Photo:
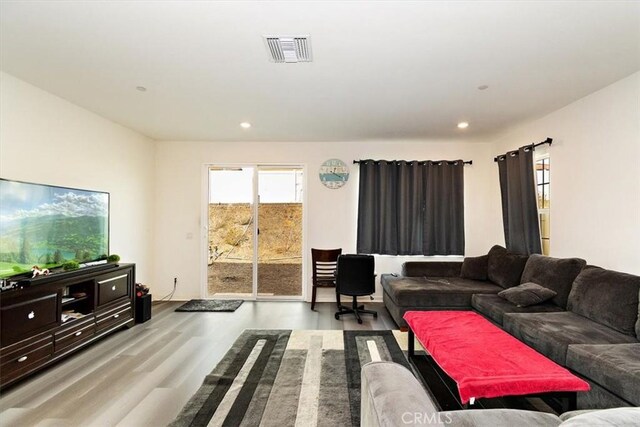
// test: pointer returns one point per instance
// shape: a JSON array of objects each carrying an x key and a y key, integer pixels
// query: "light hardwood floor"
[{"x": 143, "y": 376}]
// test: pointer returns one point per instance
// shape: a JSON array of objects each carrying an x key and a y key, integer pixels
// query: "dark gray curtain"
[
  {"x": 444, "y": 213},
  {"x": 411, "y": 208},
  {"x": 519, "y": 203},
  {"x": 380, "y": 207}
]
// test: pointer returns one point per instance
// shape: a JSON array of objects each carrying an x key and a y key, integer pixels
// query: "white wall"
[
  {"x": 595, "y": 175},
  {"x": 48, "y": 140},
  {"x": 595, "y": 210},
  {"x": 331, "y": 214}
]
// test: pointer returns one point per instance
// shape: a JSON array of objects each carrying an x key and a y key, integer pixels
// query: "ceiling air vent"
[{"x": 288, "y": 48}]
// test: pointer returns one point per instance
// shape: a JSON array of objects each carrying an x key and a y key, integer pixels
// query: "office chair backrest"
[{"x": 356, "y": 275}]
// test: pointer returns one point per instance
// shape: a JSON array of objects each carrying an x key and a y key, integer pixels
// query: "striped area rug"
[{"x": 290, "y": 378}]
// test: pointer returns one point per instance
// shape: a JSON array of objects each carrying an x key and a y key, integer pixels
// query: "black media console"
[{"x": 45, "y": 319}]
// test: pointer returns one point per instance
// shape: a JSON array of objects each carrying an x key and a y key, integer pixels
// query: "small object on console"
[
  {"x": 141, "y": 290},
  {"x": 38, "y": 272}
]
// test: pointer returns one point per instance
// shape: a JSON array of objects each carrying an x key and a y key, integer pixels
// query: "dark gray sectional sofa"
[{"x": 590, "y": 326}]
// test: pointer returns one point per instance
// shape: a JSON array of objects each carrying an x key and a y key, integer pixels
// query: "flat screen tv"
[{"x": 45, "y": 225}]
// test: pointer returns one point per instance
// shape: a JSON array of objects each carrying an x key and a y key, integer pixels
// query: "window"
[
  {"x": 411, "y": 208},
  {"x": 542, "y": 167}
]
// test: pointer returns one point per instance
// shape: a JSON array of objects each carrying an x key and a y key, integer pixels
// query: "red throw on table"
[{"x": 484, "y": 360}]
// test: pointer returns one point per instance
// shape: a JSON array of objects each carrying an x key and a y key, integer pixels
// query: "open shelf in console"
[
  {"x": 78, "y": 300},
  {"x": 71, "y": 300},
  {"x": 70, "y": 316}
]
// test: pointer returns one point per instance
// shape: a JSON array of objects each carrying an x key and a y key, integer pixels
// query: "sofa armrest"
[
  {"x": 392, "y": 396},
  {"x": 431, "y": 269},
  {"x": 601, "y": 417}
]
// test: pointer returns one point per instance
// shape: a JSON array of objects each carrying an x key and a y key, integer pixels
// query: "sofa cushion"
[
  {"x": 614, "y": 417},
  {"x": 495, "y": 418},
  {"x": 494, "y": 307},
  {"x": 599, "y": 398},
  {"x": 614, "y": 366},
  {"x": 505, "y": 268},
  {"x": 556, "y": 274},
  {"x": 551, "y": 333},
  {"x": 475, "y": 268},
  {"x": 431, "y": 268},
  {"x": 434, "y": 291},
  {"x": 607, "y": 297},
  {"x": 527, "y": 294}
]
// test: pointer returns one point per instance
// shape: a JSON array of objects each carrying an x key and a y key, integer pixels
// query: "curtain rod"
[
  {"x": 467, "y": 162},
  {"x": 546, "y": 141}
]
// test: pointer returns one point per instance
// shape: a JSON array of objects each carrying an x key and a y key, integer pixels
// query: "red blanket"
[{"x": 484, "y": 360}]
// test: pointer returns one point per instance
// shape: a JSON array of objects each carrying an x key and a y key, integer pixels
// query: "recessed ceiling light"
[
  {"x": 245, "y": 125},
  {"x": 463, "y": 125},
  {"x": 141, "y": 88},
  {"x": 483, "y": 87}
]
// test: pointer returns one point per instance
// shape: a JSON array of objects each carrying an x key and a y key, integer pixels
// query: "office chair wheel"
[
  {"x": 375, "y": 315},
  {"x": 360, "y": 321},
  {"x": 336, "y": 316}
]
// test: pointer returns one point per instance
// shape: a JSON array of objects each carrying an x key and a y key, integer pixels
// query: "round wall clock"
[{"x": 334, "y": 173}]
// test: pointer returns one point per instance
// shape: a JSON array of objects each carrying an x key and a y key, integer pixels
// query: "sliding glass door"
[
  {"x": 230, "y": 250},
  {"x": 254, "y": 232},
  {"x": 279, "y": 232}
]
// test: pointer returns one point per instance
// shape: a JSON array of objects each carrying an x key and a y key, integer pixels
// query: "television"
[{"x": 45, "y": 225}]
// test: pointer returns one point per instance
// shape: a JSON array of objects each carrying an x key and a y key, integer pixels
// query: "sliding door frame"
[{"x": 204, "y": 231}]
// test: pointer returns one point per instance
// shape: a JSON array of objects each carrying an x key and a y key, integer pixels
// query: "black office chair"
[{"x": 355, "y": 277}]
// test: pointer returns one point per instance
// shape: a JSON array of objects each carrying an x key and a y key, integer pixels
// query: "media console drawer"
[
  {"x": 115, "y": 314},
  {"x": 112, "y": 288},
  {"x": 22, "y": 356},
  {"x": 20, "y": 319},
  {"x": 77, "y": 330}
]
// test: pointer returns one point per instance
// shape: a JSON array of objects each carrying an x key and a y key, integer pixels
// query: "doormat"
[
  {"x": 285, "y": 378},
  {"x": 211, "y": 305}
]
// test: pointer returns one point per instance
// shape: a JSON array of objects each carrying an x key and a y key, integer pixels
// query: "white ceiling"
[{"x": 380, "y": 70}]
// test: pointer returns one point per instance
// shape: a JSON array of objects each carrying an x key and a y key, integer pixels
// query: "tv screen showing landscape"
[{"x": 47, "y": 226}]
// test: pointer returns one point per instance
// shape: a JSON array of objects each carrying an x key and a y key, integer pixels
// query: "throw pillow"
[
  {"x": 556, "y": 274},
  {"x": 527, "y": 294},
  {"x": 505, "y": 268},
  {"x": 475, "y": 268}
]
